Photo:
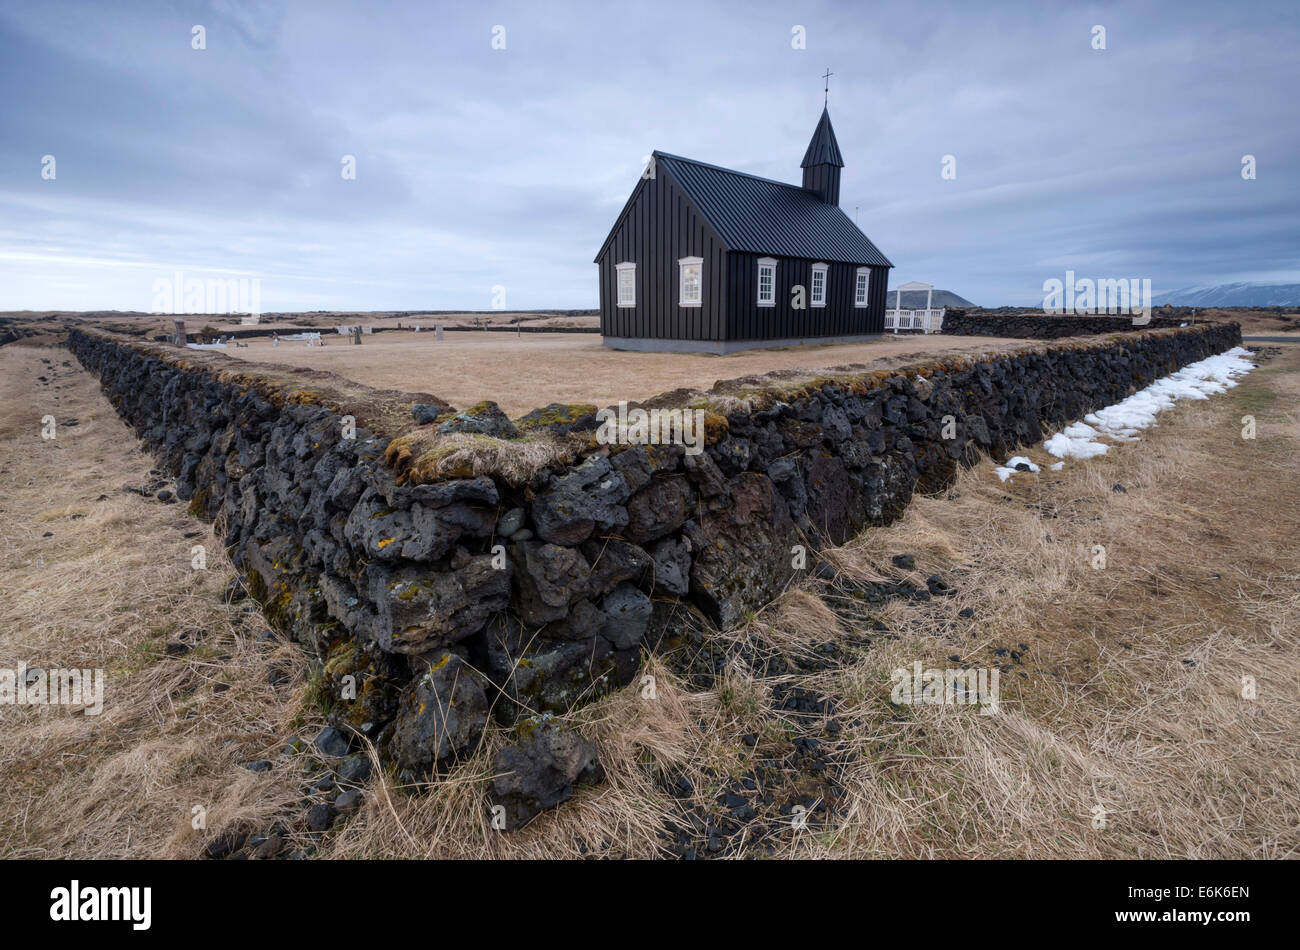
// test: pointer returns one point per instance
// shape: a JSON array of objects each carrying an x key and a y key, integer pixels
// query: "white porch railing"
[{"x": 927, "y": 321}]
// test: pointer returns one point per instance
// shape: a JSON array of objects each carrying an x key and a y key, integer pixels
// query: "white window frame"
[
  {"x": 766, "y": 263},
  {"x": 682, "y": 264},
  {"x": 619, "y": 271},
  {"x": 864, "y": 285},
  {"x": 813, "y": 299}
]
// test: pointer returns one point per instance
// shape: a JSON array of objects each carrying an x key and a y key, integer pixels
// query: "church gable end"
[{"x": 657, "y": 228}]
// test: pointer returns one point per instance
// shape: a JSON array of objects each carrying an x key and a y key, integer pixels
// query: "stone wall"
[
  {"x": 451, "y": 599},
  {"x": 1038, "y": 326}
]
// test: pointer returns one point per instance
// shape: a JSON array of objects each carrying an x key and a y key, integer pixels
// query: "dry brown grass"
[
  {"x": 449, "y": 819},
  {"x": 107, "y": 591},
  {"x": 421, "y": 456},
  {"x": 1254, "y": 322},
  {"x": 1130, "y": 697}
]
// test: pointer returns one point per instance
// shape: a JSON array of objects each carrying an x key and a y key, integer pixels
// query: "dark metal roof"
[
  {"x": 762, "y": 216},
  {"x": 823, "y": 149}
]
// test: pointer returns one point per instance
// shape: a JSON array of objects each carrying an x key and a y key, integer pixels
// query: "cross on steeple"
[{"x": 827, "y": 90}]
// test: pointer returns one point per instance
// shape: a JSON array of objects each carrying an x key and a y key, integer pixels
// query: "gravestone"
[{"x": 437, "y": 332}]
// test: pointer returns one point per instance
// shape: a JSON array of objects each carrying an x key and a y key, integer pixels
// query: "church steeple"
[{"x": 822, "y": 162}]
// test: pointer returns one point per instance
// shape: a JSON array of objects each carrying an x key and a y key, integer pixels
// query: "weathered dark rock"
[
  {"x": 659, "y": 509},
  {"x": 614, "y": 561},
  {"x": 268, "y": 848},
  {"x": 583, "y": 622},
  {"x": 344, "y": 489},
  {"x": 672, "y": 561},
  {"x": 349, "y": 801},
  {"x": 424, "y": 413},
  {"x": 539, "y": 674},
  {"x": 362, "y": 682},
  {"x": 224, "y": 845},
  {"x": 547, "y": 579},
  {"x": 705, "y": 475},
  {"x": 420, "y": 610},
  {"x": 441, "y": 715},
  {"x": 744, "y": 557},
  {"x": 485, "y": 418},
  {"x": 888, "y": 487},
  {"x": 833, "y": 508},
  {"x": 560, "y": 419},
  {"x": 640, "y": 463},
  {"x": 540, "y": 770},
  {"x": 627, "y": 615},
  {"x": 355, "y": 768},
  {"x": 421, "y": 532},
  {"x": 332, "y": 742},
  {"x": 479, "y": 492},
  {"x": 785, "y": 474},
  {"x": 732, "y": 455},
  {"x": 835, "y": 424},
  {"x": 588, "y": 498},
  {"x": 321, "y": 817},
  {"x": 937, "y": 586},
  {"x": 511, "y": 521}
]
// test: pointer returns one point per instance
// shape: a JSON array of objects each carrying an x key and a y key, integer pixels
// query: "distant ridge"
[
  {"x": 1246, "y": 294},
  {"x": 915, "y": 300}
]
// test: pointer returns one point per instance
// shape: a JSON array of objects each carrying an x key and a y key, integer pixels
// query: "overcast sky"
[{"x": 478, "y": 167}]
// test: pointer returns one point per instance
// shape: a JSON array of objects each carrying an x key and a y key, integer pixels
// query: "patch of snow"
[
  {"x": 1125, "y": 419},
  {"x": 1006, "y": 471},
  {"x": 1077, "y": 440}
]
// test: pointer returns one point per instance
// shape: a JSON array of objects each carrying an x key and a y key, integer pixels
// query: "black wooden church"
[{"x": 706, "y": 259}]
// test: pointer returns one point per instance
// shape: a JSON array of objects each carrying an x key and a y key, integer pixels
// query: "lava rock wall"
[
  {"x": 435, "y": 606},
  {"x": 1042, "y": 327}
]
